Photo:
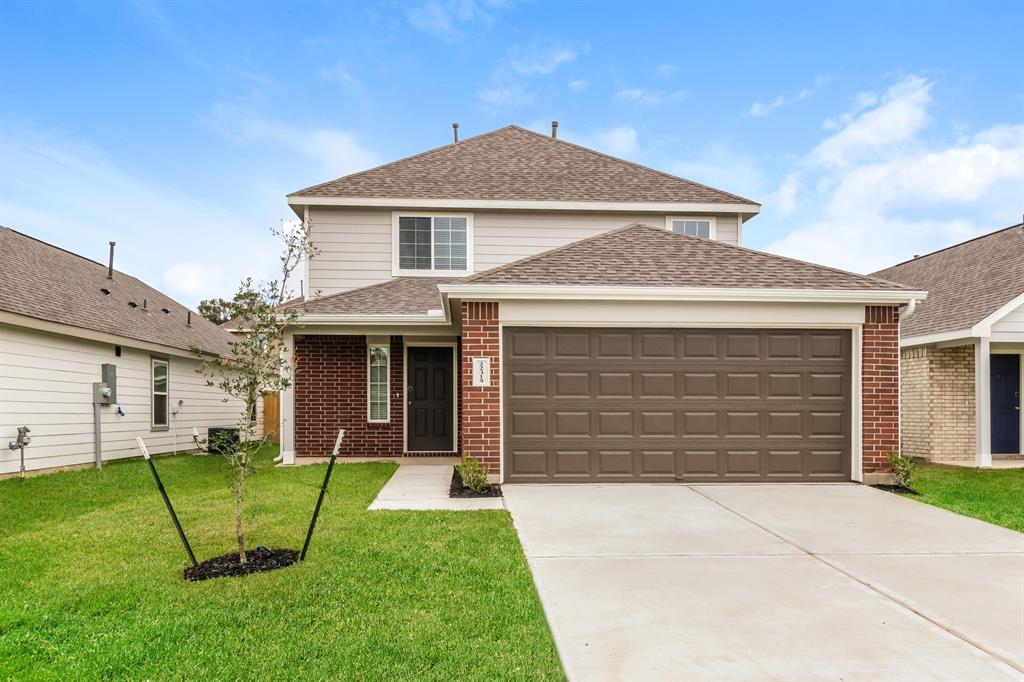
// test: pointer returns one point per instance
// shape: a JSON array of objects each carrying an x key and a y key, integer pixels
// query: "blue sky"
[{"x": 870, "y": 132}]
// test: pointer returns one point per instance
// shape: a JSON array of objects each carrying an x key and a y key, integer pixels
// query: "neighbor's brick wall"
[
  {"x": 481, "y": 405},
  {"x": 937, "y": 391},
  {"x": 880, "y": 386},
  {"x": 330, "y": 393}
]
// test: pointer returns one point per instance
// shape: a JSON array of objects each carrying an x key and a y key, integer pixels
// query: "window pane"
[
  {"x": 449, "y": 243},
  {"x": 159, "y": 377},
  {"x": 414, "y": 243},
  {"x": 703, "y": 229},
  {"x": 379, "y": 383},
  {"x": 159, "y": 410}
]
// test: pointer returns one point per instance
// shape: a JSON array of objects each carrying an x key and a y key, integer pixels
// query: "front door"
[
  {"x": 1005, "y": 403},
  {"x": 431, "y": 400}
]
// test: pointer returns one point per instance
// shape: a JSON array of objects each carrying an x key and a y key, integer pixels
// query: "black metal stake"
[
  {"x": 167, "y": 501},
  {"x": 320, "y": 499}
]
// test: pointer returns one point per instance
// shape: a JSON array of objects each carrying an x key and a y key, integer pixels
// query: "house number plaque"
[{"x": 481, "y": 371}]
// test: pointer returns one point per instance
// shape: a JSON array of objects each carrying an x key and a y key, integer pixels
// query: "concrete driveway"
[{"x": 771, "y": 582}]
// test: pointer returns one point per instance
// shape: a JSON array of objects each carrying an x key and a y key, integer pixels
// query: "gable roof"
[
  {"x": 48, "y": 283},
  {"x": 966, "y": 282},
  {"x": 516, "y": 164},
  {"x": 644, "y": 256}
]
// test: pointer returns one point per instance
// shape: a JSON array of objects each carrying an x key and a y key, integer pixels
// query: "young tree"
[
  {"x": 256, "y": 361},
  {"x": 216, "y": 310}
]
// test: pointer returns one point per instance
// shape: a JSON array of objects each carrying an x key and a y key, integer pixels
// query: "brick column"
[
  {"x": 880, "y": 386},
  {"x": 481, "y": 405}
]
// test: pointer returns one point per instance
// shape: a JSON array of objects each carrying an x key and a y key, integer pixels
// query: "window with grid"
[
  {"x": 700, "y": 227},
  {"x": 379, "y": 408},
  {"x": 159, "y": 383},
  {"x": 432, "y": 243}
]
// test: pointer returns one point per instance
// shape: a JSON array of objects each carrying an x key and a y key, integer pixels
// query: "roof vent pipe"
[
  {"x": 455, "y": 132},
  {"x": 554, "y": 129},
  {"x": 188, "y": 322},
  {"x": 110, "y": 262}
]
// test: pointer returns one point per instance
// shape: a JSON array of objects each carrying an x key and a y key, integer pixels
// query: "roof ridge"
[
  {"x": 401, "y": 160},
  {"x": 557, "y": 249},
  {"x": 632, "y": 163},
  {"x": 918, "y": 259}
]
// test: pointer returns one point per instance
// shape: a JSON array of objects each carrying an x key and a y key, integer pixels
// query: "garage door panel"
[{"x": 664, "y": 404}]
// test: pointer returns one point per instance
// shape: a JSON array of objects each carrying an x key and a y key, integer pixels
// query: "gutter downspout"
[{"x": 909, "y": 310}]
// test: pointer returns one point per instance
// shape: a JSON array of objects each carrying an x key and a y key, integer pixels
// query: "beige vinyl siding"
[
  {"x": 46, "y": 384},
  {"x": 355, "y": 249},
  {"x": 1011, "y": 327},
  {"x": 355, "y": 244}
]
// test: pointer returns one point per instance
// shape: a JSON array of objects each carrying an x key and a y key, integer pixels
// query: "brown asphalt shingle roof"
[
  {"x": 516, "y": 164},
  {"x": 966, "y": 283},
  {"x": 400, "y": 296},
  {"x": 46, "y": 282},
  {"x": 641, "y": 255}
]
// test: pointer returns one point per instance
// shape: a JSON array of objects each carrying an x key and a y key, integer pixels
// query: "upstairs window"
[
  {"x": 429, "y": 244},
  {"x": 693, "y": 227}
]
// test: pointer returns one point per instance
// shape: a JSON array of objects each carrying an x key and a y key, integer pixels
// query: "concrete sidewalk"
[
  {"x": 422, "y": 484},
  {"x": 771, "y": 582}
]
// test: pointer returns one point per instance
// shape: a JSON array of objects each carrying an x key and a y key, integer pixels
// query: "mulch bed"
[
  {"x": 256, "y": 561},
  {"x": 458, "y": 489},
  {"x": 889, "y": 488}
]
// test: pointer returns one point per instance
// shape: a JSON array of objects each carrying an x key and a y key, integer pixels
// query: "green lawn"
[
  {"x": 993, "y": 495},
  {"x": 90, "y": 582}
]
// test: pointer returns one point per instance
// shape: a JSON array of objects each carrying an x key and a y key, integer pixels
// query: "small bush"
[
  {"x": 474, "y": 475},
  {"x": 903, "y": 469}
]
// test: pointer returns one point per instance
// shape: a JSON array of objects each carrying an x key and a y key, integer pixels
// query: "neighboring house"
[
  {"x": 63, "y": 319},
  {"x": 963, "y": 350},
  {"x": 564, "y": 315}
]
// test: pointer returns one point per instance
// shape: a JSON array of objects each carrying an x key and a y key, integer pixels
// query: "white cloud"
[
  {"x": 507, "y": 83},
  {"x": 884, "y": 193},
  {"x": 193, "y": 281},
  {"x": 450, "y": 19},
  {"x": 646, "y": 97},
  {"x": 901, "y": 114},
  {"x": 538, "y": 60},
  {"x": 785, "y": 196},
  {"x": 339, "y": 73},
  {"x": 761, "y": 109},
  {"x": 578, "y": 85},
  {"x": 665, "y": 70},
  {"x": 337, "y": 151}
]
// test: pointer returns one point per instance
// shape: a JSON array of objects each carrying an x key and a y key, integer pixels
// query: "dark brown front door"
[
  {"x": 594, "y": 405},
  {"x": 431, "y": 401}
]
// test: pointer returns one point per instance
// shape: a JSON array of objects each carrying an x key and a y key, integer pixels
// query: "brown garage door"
[{"x": 593, "y": 405}]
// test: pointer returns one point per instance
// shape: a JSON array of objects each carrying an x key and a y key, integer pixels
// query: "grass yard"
[
  {"x": 993, "y": 495},
  {"x": 90, "y": 582}
]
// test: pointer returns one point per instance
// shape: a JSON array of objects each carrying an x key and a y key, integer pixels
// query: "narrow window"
[
  {"x": 693, "y": 228},
  {"x": 160, "y": 380},
  {"x": 379, "y": 389}
]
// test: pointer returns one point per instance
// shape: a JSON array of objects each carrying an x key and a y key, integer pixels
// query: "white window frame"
[
  {"x": 369, "y": 382},
  {"x": 153, "y": 426},
  {"x": 399, "y": 272},
  {"x": 712, "y": 230}
]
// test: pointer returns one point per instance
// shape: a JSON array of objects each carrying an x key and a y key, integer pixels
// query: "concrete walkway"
[
  {"x": 422, "y": 483},
  {"x": 771, "y": 582}
]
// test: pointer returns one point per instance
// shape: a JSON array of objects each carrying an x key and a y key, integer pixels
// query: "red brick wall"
[
  {"x": 330, "y": 393},
  {"x": 481, "y": 405},
  {"x": 880, "y": 386}
]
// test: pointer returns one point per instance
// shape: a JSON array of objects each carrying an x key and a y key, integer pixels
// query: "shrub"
[
  {"x": 902, "y": 469},
  {"x": 474, "y": 475}
]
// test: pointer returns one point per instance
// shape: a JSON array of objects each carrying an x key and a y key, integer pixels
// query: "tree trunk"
[{"x": 239, "y": 503}]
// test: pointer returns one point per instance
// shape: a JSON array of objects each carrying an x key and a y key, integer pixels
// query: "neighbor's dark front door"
[
  {"x": 431, "y": 401},
  {"x": 1005, "y": 403}
]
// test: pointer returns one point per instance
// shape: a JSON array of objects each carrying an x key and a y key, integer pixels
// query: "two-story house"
[{"x": 564, "y": 315}]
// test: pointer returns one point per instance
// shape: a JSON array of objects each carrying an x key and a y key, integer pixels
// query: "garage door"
[{"x": 595, "y": 405}]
